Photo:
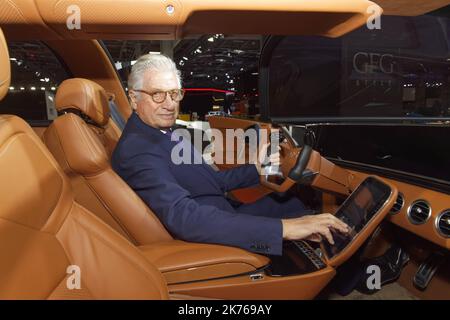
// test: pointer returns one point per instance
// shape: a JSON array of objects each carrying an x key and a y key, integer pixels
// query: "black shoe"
[{"x": 391, "y": 264}]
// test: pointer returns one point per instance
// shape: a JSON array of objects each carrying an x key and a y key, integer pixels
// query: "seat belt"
[{"x": 115, "y": 115}]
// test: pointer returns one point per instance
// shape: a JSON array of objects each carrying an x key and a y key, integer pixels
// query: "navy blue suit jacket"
[{"x": 190, "y": 199}]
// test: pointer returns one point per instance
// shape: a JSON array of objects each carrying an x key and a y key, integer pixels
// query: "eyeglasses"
[{"x": 160, "y": 96}]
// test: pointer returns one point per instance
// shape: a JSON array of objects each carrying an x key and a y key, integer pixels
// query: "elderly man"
[{"x": 190, "y": 198}]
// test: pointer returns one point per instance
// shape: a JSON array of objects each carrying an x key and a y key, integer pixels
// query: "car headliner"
[{"x": 146, "y": 20}]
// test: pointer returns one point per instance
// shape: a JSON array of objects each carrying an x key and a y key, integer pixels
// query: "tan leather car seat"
[
  {"x": 74, "y": 140},
  {"x": 43, "y": 230},
  {"x": 90, "y": 101}
]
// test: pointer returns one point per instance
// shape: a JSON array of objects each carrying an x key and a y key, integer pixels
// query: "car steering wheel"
[{"x": 293, "y": 163}]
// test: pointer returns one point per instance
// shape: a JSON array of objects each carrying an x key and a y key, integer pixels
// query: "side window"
[
  {"x": 35, "y": 75},
  {"x": 219, "y": 72}
]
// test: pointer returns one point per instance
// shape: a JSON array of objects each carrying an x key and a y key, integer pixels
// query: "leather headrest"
[
  {"x": 78, "y": 146},
  {"x": 5, "y": 67},
  {"x": 34, "y": 192},
  {"x": 86, "y": 96}
]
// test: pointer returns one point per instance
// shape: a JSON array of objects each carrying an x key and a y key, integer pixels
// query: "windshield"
[{"x": 400, "y": 70}]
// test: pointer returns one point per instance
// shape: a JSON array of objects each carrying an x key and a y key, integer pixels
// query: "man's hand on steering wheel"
[{"x": 274, "y": 158}]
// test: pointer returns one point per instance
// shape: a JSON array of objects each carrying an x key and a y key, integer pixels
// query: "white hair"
[{"x": 158, "y": 62}]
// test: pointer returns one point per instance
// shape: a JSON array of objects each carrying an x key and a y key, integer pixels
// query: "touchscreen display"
[{"x": 357, "y": 211}]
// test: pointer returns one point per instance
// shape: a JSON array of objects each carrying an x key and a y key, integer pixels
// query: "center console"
[
  {"x": 362, "y": 211},
  {"x": 298, "y": 258}
]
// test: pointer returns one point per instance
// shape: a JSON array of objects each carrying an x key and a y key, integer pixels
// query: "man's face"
[{"x": 158, "y": 115}]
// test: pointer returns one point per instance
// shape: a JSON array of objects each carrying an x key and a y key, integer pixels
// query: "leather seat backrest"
[
  {"x": 5, "y": 67},
  {"x": 43, "y": 231},
  {"x": 82, "y": 155}
]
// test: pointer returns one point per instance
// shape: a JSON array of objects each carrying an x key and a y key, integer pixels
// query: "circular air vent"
[
  {"x": 398, "y": 205},
  {"x": 419, "y": 212},
  {"x": 443, "y": 223}
]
